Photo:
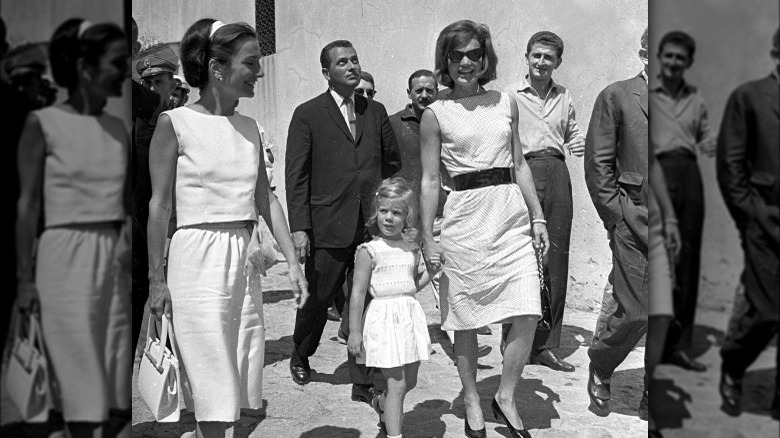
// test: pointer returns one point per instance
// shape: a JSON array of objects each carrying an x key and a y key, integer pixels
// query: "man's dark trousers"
[
  {"x": 326, "y": 270},
  {"x": 553, "y": 188},
  {"x": 626, "y": 326},
  {"x": 758, "y": 321},
  {"x": 684, "y": 183}
]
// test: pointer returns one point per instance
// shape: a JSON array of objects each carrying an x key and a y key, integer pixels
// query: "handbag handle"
[
  {"x": 34, "y": 337},
  {"x": 167, "y": 330}
]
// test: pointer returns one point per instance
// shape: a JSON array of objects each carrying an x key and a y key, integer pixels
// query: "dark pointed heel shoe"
[
  {"x": 471, "y": 433},
  {"x": 499, "y": 415}
]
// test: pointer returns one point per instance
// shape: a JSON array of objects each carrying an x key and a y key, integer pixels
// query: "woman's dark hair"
[
  {"x": 67, "y": 47},
  {"x": 459, "y": 34},
  {"x": 198, "y": 48}
]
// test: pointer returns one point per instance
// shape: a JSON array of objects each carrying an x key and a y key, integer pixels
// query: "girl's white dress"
[{"x": 395, "y": 332}]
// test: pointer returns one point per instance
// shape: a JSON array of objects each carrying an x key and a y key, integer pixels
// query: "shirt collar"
[
  {"x": 644, "y": 76},
  {"x": 339, "y": 98},
  {"x": 685, "y": 89},
  {"x": 525, "y": 84},
  {"x": 776, "y": 75},
  {"x": 408, "y": 113}
]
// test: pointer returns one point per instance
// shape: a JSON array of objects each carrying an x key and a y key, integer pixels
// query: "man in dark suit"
[
  {"x": 616, "y": 176},
  {"x": 147, "y": 105},
  {"x": 339, "y": 147},
  {"x": 748, "y": 169}
]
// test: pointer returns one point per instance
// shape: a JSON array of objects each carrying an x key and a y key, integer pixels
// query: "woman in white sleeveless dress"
[
  {"x": 76, "y": 156},
  {"x": 212, "y": 290},
  {"x": 490, "y": 270}
]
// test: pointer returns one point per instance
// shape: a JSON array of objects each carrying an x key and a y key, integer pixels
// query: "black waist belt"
[
  {"x": 546, "y": 153},
  {"x": 483, "y": 178},
  {"x": 679, "y": 153}
]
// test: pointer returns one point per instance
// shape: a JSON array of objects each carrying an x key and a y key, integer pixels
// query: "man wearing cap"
[
  {"x": 157, "y": 70},
  {"x": 147, "y": 105}
]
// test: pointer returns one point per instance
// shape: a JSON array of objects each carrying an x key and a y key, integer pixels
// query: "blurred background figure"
[
  {"x": 156, "y": 66},
  {"x": 24, "y": 67},
  {"x": 681, "y": 136},
  {"x": 748, "y": 169},
  {"x": 73, "y": 161},
  {"x": 366, "y": 87},
  {"x": 181, "y": 93}
]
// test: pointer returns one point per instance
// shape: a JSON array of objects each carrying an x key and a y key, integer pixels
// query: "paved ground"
[{"x": 552, "y": 404}]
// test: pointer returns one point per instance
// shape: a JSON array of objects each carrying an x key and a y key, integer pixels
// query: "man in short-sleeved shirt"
[
  {"x": 680, "y": 134},
  {"x": 548, "y": 133}
]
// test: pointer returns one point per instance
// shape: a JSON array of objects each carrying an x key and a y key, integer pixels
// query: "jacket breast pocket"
[
  {"x": 764, "y": 184},
  {"x": 631, "y": 185}
]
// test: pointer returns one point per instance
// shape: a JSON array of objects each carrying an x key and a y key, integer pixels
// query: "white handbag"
[
  {"x": 27, "y": 378},
  {"x": 159, "y": 381}
]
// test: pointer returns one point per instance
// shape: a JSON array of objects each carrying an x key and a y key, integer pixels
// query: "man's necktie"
[{"x": 351, "y": 117}]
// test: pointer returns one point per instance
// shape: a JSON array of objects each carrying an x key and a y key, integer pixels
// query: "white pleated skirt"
[
  {"x": 217, "y": 319},
  {"x": 395, "y": 332},
  {"x": 85, "y": 314}
]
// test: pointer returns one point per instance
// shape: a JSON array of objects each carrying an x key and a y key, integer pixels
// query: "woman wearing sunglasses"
[{"x": 488, "y": 237}]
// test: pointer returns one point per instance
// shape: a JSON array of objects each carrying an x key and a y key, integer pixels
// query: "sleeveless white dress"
[
  {"x": 394, "y": 329},
  {"x": 217, "y": 307},
  {"x": 490, "y": 273}
]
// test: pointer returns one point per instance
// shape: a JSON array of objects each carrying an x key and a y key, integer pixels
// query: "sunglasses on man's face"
[
  {"x": 361, "y": 92},
  {"x": 474, "y": 55}
]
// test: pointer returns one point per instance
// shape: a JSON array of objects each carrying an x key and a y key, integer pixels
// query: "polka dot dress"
[{"x": 490, "y": 272}]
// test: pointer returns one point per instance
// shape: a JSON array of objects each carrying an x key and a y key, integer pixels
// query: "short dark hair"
[
  {"x": 67, "y": 47},
  {"x": 644, "y": 40},
  {"x": 198, "y": 47},
  {"x": 678, "y": 38},
  {"x": 325, "y": 53},
  {"x": 422, "y": 73},
  {"x": 548, "y": 39},
  {"x": 459, "y": 34},
  {"x": 366, "y": 76}
]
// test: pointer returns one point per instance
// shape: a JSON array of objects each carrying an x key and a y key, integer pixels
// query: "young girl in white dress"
[{"x": 393, "y": 333}]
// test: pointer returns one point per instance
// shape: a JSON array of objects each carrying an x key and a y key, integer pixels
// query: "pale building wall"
[{"x": 395, "y": 38}]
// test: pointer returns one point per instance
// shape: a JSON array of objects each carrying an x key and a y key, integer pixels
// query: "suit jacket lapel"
[
  {"x": 332, "y": 109},
  {"x": 361, "y": 106},
  {"x": 640, "y": 90}
]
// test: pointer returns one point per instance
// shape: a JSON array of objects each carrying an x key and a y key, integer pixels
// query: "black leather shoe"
[
  {"x": 333, "y": 314},
  {"x": 471, "y": 433},
  {"x": 643, "y": 407},
  {"x": 301, "y": 374},
  {"x": 364, "y": 393},
  {"x": 652, "y": 433},
  {"x": 498, "y": 414},
  {"x": 550, "y": 360},
  {"x": 679, "y": 358},
  {"x": 731, "y": 394},
  {"x": 599, "y": 393}
]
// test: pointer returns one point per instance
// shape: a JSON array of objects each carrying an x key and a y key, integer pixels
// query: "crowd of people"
[{"x": 467, "y": 188}]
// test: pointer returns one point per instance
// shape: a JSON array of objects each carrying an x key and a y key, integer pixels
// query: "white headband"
[
  {"x": 86, "y": 24},
  {"x": 214, "y": 26}
]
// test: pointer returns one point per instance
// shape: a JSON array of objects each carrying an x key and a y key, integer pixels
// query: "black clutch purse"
[{"x": 545, "y": 322}]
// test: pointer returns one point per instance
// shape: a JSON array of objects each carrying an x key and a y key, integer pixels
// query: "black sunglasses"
[
  {"x": 361, "y": 91},
  {"x": 474, "y": 55}
]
